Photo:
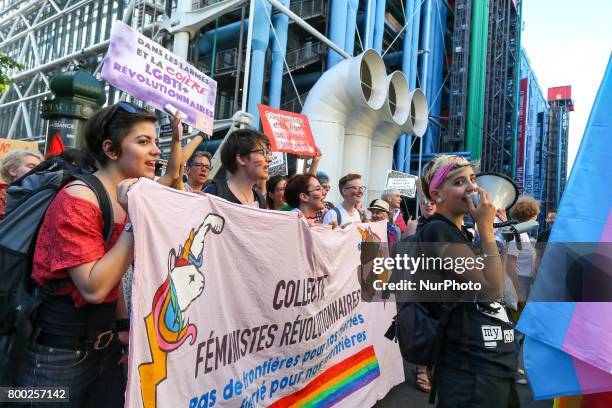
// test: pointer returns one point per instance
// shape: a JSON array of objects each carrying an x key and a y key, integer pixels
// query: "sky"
[{"x": 569, "y": 43}]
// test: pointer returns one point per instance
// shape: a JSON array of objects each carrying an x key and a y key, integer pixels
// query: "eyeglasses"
[
  {"x": 202, "y": 166},
  {"x": 319, "y": 189},
  {"x": 356, "y": 188},
  {"x": 265, "y": 151}
]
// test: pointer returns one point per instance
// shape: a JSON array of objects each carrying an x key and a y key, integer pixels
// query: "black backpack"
[
  {"x": 420, "y": 336},
  {"x": 27, "y": 201}
]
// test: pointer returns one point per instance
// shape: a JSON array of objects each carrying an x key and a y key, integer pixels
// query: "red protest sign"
[{"x": 288, "y": 132}]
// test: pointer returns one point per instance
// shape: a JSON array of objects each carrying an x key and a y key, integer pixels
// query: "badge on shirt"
[
  {"x": 491, "y": 333},
  {"x": 495, "y": 310}
]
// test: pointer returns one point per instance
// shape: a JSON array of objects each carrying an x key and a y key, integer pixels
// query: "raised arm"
[
  {"x": 314, "y": 165},
  {"x": 173, "y": 170}
]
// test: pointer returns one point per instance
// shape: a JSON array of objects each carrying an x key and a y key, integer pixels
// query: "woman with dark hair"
[
  {"x": 477, "y": 362},
  {"x": 79, "y": 329},
  {"x": 305, "y": 195},
  {"x": 275, "y": 192}
]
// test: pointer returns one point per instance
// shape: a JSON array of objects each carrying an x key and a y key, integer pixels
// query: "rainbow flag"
[
  {"x": 568, "y": 345},
  {"x": 335, "y": 383}
]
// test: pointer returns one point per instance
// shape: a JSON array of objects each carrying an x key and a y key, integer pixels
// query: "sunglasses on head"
[{"x": 125, "y": 106}]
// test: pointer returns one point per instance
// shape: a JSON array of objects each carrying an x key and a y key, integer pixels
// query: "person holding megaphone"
[{"x": 476, "y": 362}]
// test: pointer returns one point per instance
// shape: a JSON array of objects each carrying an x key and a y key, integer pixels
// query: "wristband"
[
  {"x": 485, "y": 256},
  {"x": 122, "y": 325}
]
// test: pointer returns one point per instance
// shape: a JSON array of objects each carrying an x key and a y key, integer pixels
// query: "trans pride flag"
[{"x": 568, "y": 346}]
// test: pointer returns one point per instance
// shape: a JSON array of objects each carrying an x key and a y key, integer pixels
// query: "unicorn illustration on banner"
[{"x": 167, "y": 328}]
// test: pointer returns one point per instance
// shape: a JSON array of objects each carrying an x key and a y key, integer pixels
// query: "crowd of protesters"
[{"x": 122, "y": 140}]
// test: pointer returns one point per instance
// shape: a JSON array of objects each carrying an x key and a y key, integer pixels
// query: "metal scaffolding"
[
  {"x": 453, "y": 138},
  {"x": 49, "y": 35},
  {"x": 556, "y": 152},
  {"x": 499, "y": 103}
]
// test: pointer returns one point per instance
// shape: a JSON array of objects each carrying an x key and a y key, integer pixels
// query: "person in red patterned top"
[{"x": 77, "y": 343}]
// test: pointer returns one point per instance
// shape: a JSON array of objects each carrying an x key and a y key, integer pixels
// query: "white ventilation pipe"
[
  {"x": 362, "y": 122},
  {"x": 355, "y": 82},
  {"x": 419, "y": 113},
  {"x": 385, "y": 136}
]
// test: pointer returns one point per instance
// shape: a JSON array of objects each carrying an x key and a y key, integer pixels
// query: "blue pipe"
[
  {"x": 227, "y": 36},
  {"x": 259, "y": 45},
  {"x": 433, "y": 131},
  {"x": 351, "y": 21},
  {"x": 368, "y": 29},
  {"x": 379, "y": 26},
  {"x": 393, "y": 59},
  {"x": 405, "y": 141},
  {"x": 279, "y": 49},
  {"x": 425, "y": 73},
  {"x": 306, "y": 80},
  {"x": 210, "y": 146},
  {"x": 337, "y": 30},
  {"x": 437, "y": 68},
  {"x": 414, "y": 57}
]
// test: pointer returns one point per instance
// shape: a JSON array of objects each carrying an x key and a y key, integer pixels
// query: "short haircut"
[
  {"x": 112, "y": 123},
  {"x": 387, "y": 193},
  {"x": 13, "y": 160},
  {"x": 431, "y": 168},
  {"x": 297, "y": 185},
  {"x": 525, "y": 209},
  {"x": 194, "y": 156},
  {"x": 346, "y": 179},
  {"x": 240, "y": 142}
]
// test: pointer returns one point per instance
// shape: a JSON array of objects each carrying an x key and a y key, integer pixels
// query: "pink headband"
[{"x": 441, "y": 174}]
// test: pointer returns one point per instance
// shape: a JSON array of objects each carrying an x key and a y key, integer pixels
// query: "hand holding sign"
[
  {"x": 288, "y": 132},
  {"x": 177, "y": 126},
  {"x": 145, "y": 69}
]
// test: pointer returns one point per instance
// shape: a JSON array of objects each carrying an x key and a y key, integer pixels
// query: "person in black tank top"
[
  {"x": 246, "y": 156},
  {"x": 478, "y": 360}
]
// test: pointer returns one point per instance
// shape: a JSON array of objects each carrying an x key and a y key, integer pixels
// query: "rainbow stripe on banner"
[{"x": 336, "y": 383}]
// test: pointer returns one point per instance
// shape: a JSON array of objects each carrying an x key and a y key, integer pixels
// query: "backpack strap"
[
  {"x": 261, "y": 201},
  {"x": 103, "y": 199},
  {"x": 338, "y": 215}
]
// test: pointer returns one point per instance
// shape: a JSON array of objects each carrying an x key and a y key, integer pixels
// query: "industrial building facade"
[{"x": 464, "y": 54}]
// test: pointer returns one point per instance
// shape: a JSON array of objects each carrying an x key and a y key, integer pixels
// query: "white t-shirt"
[
  {"x": 346, "y": 217},
  {"x": 525, "y": 262}
]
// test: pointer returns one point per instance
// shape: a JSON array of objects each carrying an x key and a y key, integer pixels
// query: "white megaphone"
[
  {"x": 520, "y": 227},
  {"x": 502, "y": 189}
]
